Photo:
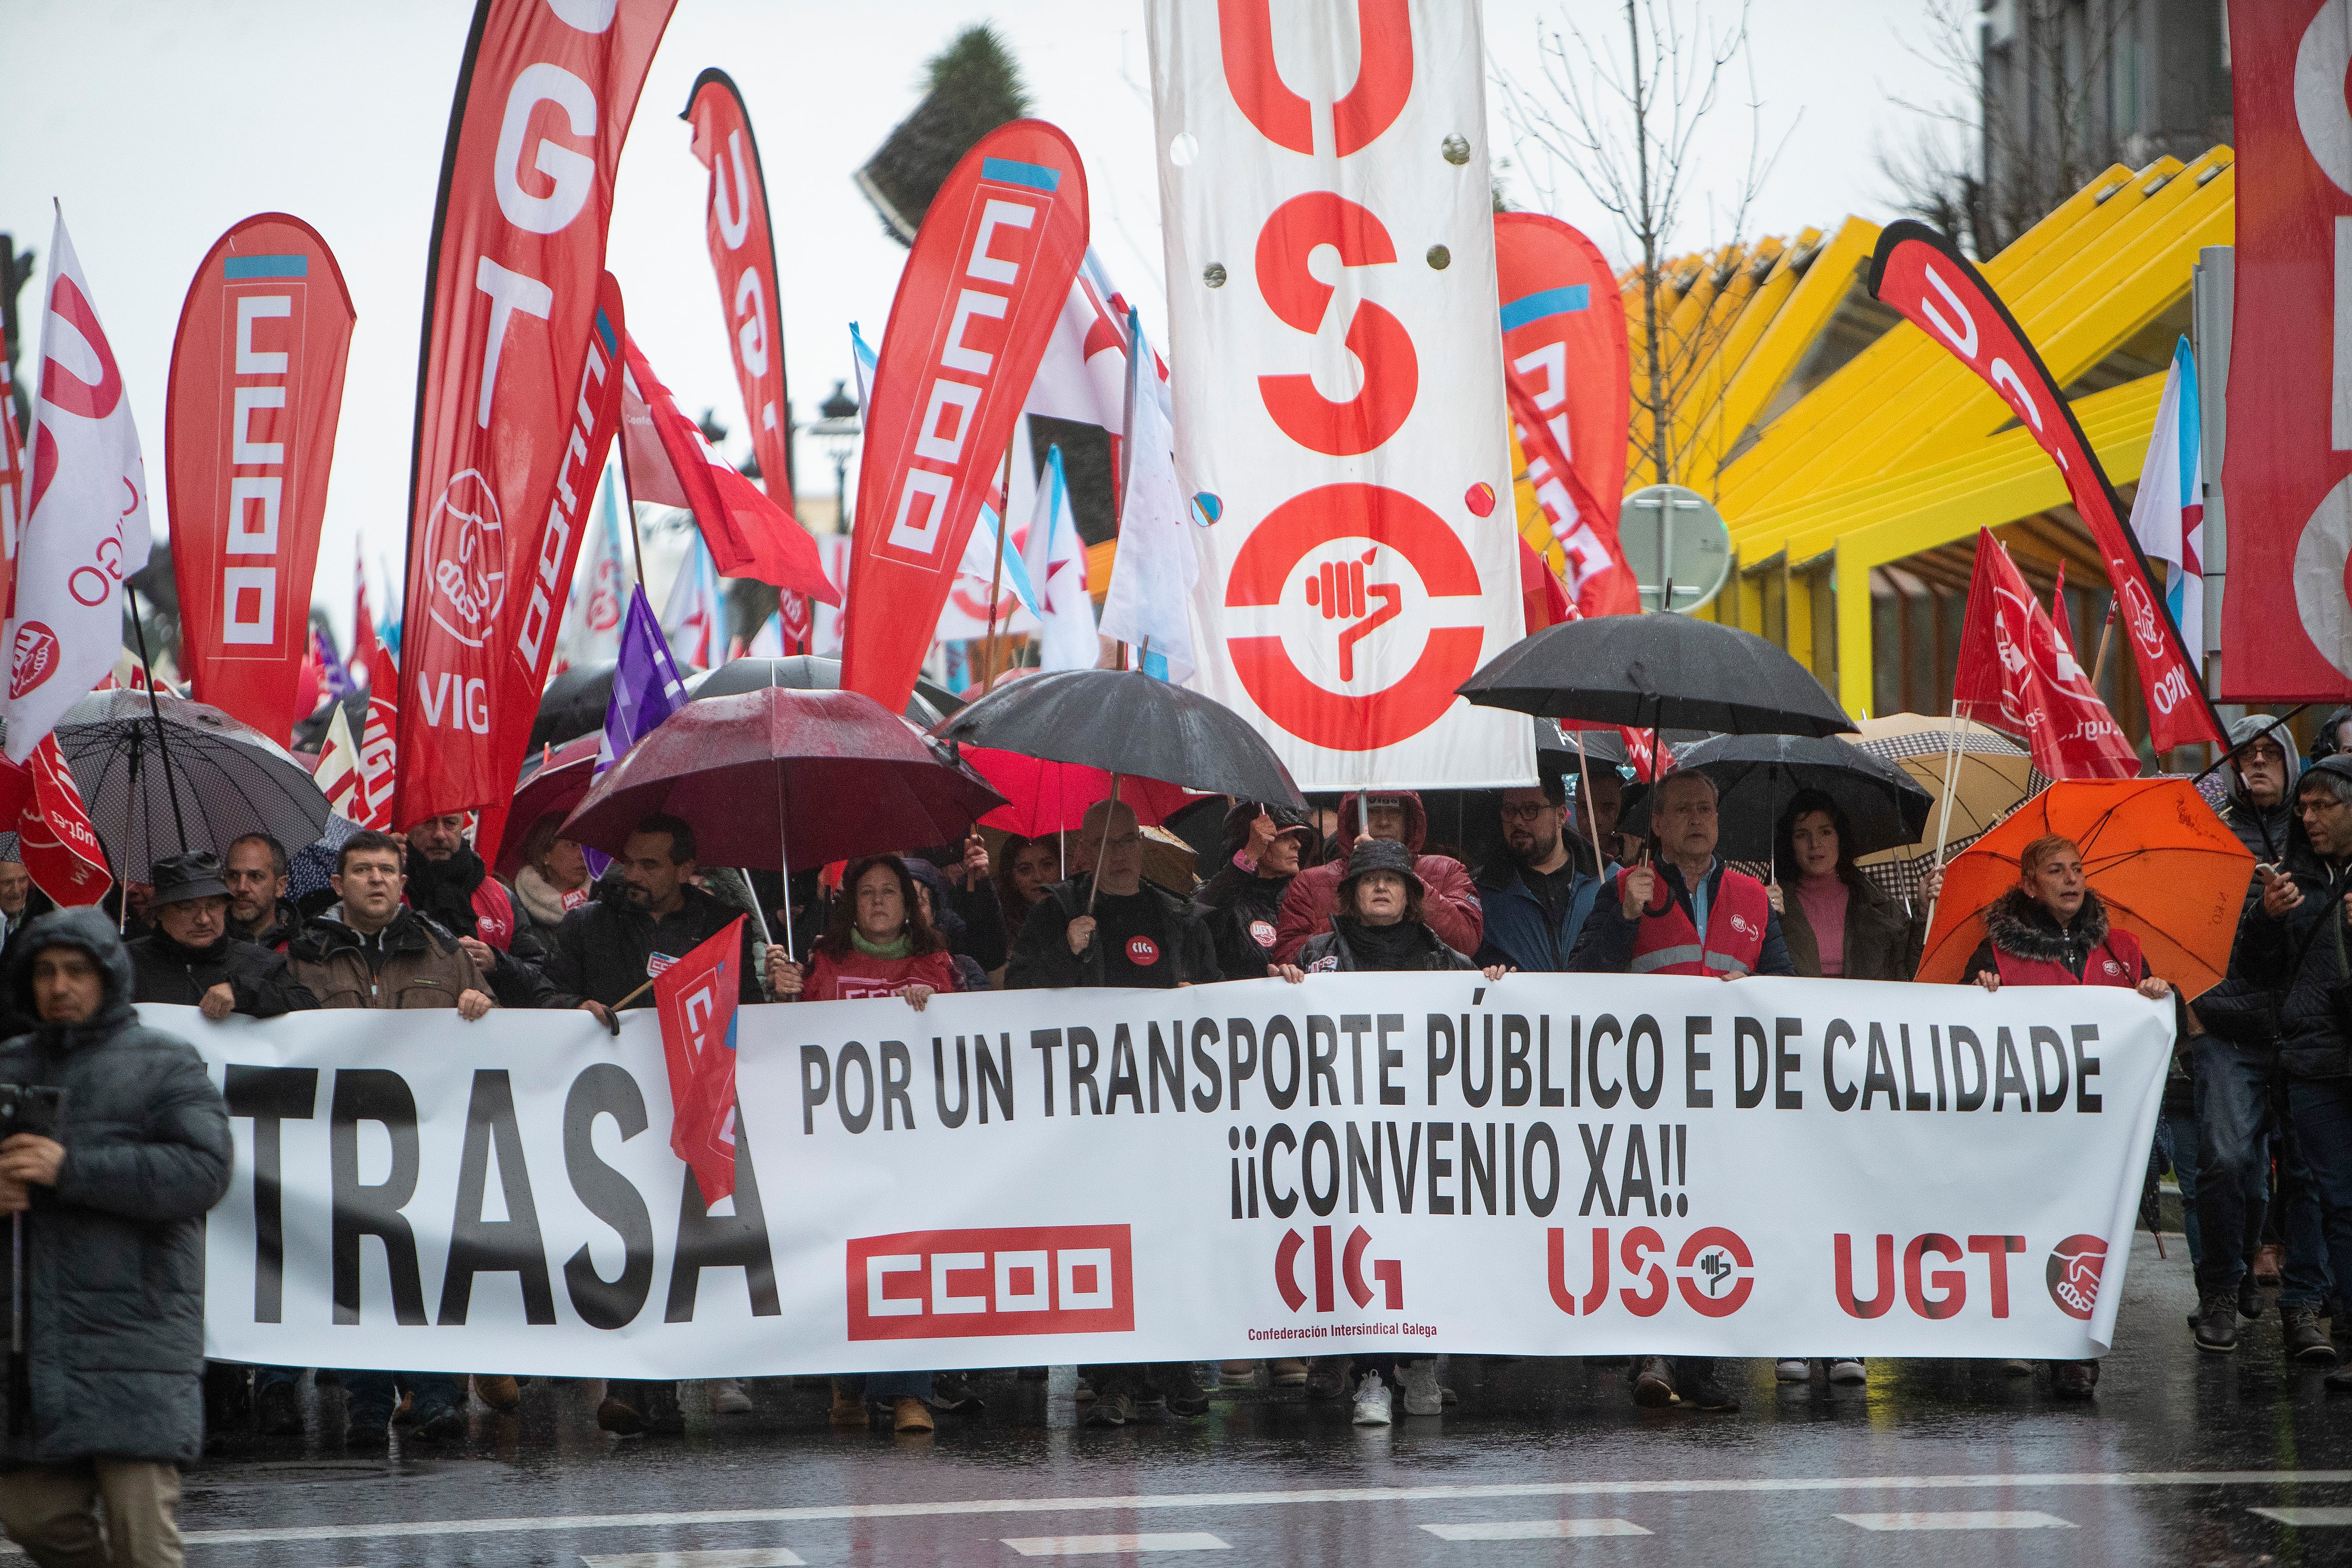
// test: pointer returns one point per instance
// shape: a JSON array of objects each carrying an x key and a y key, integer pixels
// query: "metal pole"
[
  {"x": 629, "y": 500},
  {"x": 996, "y": 578},
  {"x": 1102, "y": 846},
  {"x": 155, "y": 708}
]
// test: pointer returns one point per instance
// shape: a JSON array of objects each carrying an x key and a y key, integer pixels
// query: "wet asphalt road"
[{"x": 2176, "y": 1461}]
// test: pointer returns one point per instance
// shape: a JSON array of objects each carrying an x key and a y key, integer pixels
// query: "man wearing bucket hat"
[{"x": 193, "y": 958}]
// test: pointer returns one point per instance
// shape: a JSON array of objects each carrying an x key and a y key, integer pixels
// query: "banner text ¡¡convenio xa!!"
[{"x": 1549, "y": 1164}]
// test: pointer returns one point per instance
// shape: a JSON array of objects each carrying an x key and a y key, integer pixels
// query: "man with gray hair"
[
  {"x": 1689, "y": 915},
  {"x": 1108, "y": 926}
]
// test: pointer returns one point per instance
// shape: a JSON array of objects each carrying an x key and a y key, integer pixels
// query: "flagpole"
[
  {"x": 996, "y": 578},
  {"x": 1584, "y": 801},
  {"x": 155, "y": 708},
  {"x": 2106, "y": 638},
  {"x": 629, "y": 500}
]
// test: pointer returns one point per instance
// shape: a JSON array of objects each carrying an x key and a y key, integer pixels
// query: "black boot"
[
  {"x": 2217, "y": 1322},
  {"x": 2307, "y": 1343}
]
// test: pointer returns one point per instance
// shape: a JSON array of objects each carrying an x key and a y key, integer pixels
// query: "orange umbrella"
[{"x": 2167, "y": 869}]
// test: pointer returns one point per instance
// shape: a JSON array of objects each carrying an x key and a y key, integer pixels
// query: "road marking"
[
  {"x": 2308, "y": 1517},
  {"x": 1534, "y": 1528},
  {"x": 1113, "y": 1545},
  {"x": 756, "y": 1557},
  {"x": 1979, "y": 1518},
  {"x": 395, "y": 1529}
]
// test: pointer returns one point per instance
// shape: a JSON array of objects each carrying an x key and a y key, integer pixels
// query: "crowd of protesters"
[{"x": 2260, "y": 1132}]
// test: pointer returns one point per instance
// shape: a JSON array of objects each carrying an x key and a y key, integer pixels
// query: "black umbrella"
[
  {"x": 574, "y": 704},
  {"x": 809, "y": 672},
  {"x": 1602, "y": 748},
  {"x": 1125, "y": 722},
  {"x": 1656, "y": 671},
  {"x": 1756, "y": 776}
]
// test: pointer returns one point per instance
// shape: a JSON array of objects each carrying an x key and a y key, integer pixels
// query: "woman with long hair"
[
  {"x": 878, "y": 943},
  {"x": 553, "y": 880},
  {"x": 1025, "y": 868}
]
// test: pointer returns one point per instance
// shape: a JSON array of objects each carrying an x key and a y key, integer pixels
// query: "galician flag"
[
  {"x": 2168, "y": 515},
  {"x": 695, "y": 618},
  {"x": 1055, "y": 558}
]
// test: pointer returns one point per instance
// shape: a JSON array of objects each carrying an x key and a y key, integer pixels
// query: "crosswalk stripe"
[
  {"x": 1534, "y": 1528},
  {"x": 1110, "y": 1545},
  {"x": 753, "y": 1557},
  {"x": 2308, "y": 1517},
  {"x": 1972, "y": 1519}
]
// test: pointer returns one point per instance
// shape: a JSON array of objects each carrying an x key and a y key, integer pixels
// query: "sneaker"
[
  {"x": 2249, "y": 1297},
  {"x": 1793, "y": 1369},
  {"x": 1110, "y": 1410},
  {"x": 1288, "y": 1373},
  {"x": 848, "y": 1407},
  {"x": 1372, "y": 1402},
  {"x": 2217, "y": 1322},
  {"x": 440, "y": 1421},
  {"x": 2018, "y": 1366},
  {"x": 1326, "y": 1378},
  {"x": 910, "y": 1417},
  {"x": 953, "y": 1393},
  {"x": 282, "y": 1410},
  {"x": 498, "y": 1391},
  {"x": 2307, "y": 1340},
  {"x": 367, "y": 1428},
  {"x": 1181, "y": 1392},
  {"x": 619, "y": 1417},
  {"x": 1237, "y": 1373},
  {"x": 1421, "y": 1394},
  {"x": 1850, "y": 1371},
  {"x": 2340, "y": 1380},
  {"x": 1707, "y": 1393},
  {"x": 727, "y": 1397},
  {"x": 1654, "y": 1383}
]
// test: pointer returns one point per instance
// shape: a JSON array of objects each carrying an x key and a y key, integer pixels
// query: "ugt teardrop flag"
[
  {"x": 982, "y": 287},
  {"x": 517, "y": 381},
  {"x": 743, "y": 255},
  {"x": 1923, "y": 276},
  {"x": 256, "y": 388},
  {"x": 86, "y": 524}
]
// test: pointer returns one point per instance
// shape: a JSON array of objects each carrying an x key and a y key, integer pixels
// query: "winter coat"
[
  {"x": 1607, "y": 945},
  {"x": 1449, "y": 904},
  {"x": 1042, "y": 959},
  {"x": 460, "y": 895},
  {"x": 1335, "y": 952},
  {"x": 1882, "y": 942},
  {"x": 423, "y": 965},
  {"x": 540, "y": 907},
  {"x": 604, "y": 948},
  {"x": 1239, "y": 908},
  {"x": 1519, "y": 927},
  {"x": 970, "y": 918},
  {"x": 2022, "y": 927},
  {"x": 2237, "y": 1010},
  {"x": 2305, "y": 960},
  {"x": 285, "y": 921},
  {"x": 116, "y": 1249},
  {"x": 165, "y": 971}
]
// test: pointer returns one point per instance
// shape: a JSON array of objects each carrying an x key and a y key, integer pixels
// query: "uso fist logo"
[
  {"x": 2073, "y": 1274},
  {"x": 32, "y": 658}
]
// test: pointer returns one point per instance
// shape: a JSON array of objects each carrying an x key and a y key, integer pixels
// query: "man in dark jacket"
[
  {"x": 119, "y": 1194},
  {"x": 1396, "y": 816},
  {"x": 450, "y": 885},
  {"x": 2235, "y": 1064},
  {"x": 192, "y": 959},
  {"x": 1538, "y": 896},
  {"x": 646, "y": 913},
  {"x": 258, "y": 908},
  {"x": 1241, "y": 903},
  {"x": 1112, "y": 927}
]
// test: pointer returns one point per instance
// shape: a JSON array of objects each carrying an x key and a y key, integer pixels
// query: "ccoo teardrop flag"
[
  {"x": 517, "y": 381},
  {"x": 984, "y": 286},
  {"x": 743, "y": 255},
  {"x": 257, "y": 389}
]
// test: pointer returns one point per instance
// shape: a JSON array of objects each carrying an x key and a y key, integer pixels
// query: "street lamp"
[{"x": 839, "y": 431}]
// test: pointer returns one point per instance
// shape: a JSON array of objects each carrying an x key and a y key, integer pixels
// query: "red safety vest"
[
  {"x": 2114, "y": 961},
  {"x": 860, "y": 974},
  {"x": 1668, "y": 943}
]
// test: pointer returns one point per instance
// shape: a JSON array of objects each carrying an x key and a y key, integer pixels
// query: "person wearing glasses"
[{"x": 1539, "y": 894}]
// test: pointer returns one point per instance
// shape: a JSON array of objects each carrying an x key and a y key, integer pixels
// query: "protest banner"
[{"x": 1547, "y": 1165}]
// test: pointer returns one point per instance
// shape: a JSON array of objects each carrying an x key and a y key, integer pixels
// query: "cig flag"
[
  {"x": 2168, "y": 516},
  {"x": 696, "y": 997},
  {"x": 86, "y": 527}
]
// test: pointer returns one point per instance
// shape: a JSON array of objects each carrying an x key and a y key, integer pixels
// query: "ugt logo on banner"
[{"x": 1341, "y": 430}]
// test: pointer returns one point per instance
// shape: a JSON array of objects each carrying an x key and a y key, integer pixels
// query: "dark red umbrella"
[
  {"x": 561, "y": 779},
  {"x": 785, "y": 778}
]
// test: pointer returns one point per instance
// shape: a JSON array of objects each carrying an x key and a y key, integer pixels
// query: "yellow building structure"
[{"x": 1854, "y": 461}]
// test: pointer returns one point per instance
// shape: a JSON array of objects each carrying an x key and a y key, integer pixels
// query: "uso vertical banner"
[
  {"x": 2286, "y": 608},
  {"x": 518, "y": 381},
  {"x": 248, "y": 435},
  {"x": 1923, "y": 277},
  {"x": 1343, "y": 437},
  {"x": 1550, "y": 1165},
  {"x": 984, "y": 284},
  {"x": 743, "y": 256}
]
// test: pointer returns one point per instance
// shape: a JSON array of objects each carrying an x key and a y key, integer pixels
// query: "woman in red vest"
[
  {"x": 878, "y": 944},
  {"x": 2051, "y": 930}
]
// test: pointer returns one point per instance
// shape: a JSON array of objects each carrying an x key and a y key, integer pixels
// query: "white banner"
[
  {"x": 1341, "y": 427},
  {"x": 1550, "y": 1165}
]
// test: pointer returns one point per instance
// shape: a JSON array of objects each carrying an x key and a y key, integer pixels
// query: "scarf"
[
  {"x": 1397, "y": 946},
  {"x": 900, "y": 946}
]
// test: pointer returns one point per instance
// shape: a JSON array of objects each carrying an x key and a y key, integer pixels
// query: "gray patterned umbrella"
[{"x": 226, "y": 779}]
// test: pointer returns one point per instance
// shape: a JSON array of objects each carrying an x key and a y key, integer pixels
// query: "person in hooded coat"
[
  {"x": 140, "y": 1154},
  {"x": 1451, "y": 903},
  {"x": 1241, "y": 903}
]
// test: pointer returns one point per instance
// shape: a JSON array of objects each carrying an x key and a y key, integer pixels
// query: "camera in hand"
[{"x": 30, "y": 1107}]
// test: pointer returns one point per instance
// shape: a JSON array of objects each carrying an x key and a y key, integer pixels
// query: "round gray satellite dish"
[{"x": 1672, "y": 535}]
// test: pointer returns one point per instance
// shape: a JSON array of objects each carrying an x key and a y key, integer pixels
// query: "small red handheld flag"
[{"x": 696, "y": 998}]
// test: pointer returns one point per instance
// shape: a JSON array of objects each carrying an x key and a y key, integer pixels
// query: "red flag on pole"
[
  {"x": 2016, "y": 674},
  {"x": 518, "y": 384},
  {"x": 12, "y": 483},
  {"x": 368, "y": 663},
  {"x": 696, "y": 996},
  {"x": 59, "y": 849},
  {"x": 743, "y": 255},
  {"x": 977, "y": 303},
  {"x": 257, "y": 390}
]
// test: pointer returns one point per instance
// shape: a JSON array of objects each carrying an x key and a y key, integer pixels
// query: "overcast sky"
[{"x": 160, "y": 122}]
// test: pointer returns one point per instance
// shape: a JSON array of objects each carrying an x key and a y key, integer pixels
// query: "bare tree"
[{"x": 1620, "y": 111}]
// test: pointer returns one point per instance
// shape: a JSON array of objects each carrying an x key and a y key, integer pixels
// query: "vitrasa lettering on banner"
[
  {"x": 516, "y": 380},
  {"x": 1542, "y": 1167},
  {"x": 1340, "y": 423},
  {"x": 257, "y": 393}
]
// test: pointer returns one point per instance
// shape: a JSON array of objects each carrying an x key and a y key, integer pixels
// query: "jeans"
[
  {"x": 890, "y": 1384},
  {"x": 2237, "y": 1115},
  {"x": 2320, "y": 1112},
  {"x": 376, "y": 1393},
  {"x": 2178, "y": 1132}
]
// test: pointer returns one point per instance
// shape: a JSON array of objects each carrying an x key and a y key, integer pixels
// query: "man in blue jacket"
[{"x": 1536, "y": 898}]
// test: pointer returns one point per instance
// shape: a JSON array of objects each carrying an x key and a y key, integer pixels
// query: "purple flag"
[
  {"x": 334, "y": 679},
  {"x": 646, "y": 690}
]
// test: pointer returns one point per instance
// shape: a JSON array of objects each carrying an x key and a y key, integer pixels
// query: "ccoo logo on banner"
[{"x": 1340, "y": 426}]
